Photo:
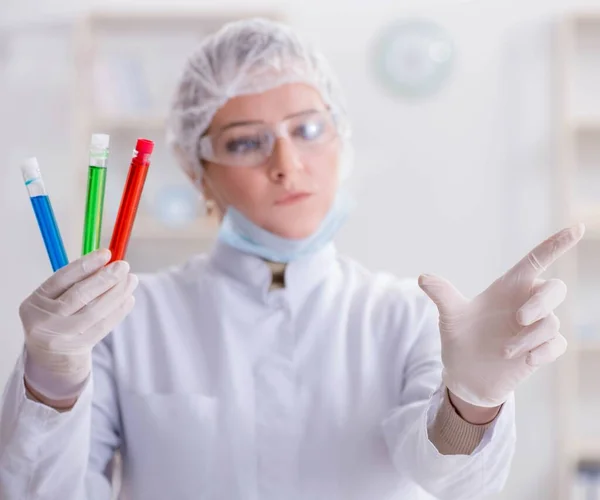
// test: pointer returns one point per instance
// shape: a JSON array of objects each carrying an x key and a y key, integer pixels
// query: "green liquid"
[{"x": 92, "y": 228}]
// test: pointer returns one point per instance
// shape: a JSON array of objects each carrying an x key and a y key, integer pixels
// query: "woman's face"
[{"x": 289, "y": 193}]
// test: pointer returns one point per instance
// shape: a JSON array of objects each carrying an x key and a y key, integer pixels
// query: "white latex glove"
[
  {"x": 492, "y": 343},
  {"x": 67, "y": 316}
]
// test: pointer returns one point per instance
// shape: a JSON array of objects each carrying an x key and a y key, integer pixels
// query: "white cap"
[
  {"x": 30, "y": 169},
  {"x": 100, "y": 141}
]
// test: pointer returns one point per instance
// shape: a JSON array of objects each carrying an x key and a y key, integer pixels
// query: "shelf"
[
  {"x": 586, "y": 346},
  {"x": 590, "y": 216},
  {"x": 586, "y": 124},
  {"x": 585, "y": 17},
  {"x": 585, "y": 449},
  {"x": 202, "y": 229},
  {"x": 132, "y": 122},
  {"x": 181, "y": 16},
  {"x": 146, "y": 228}
]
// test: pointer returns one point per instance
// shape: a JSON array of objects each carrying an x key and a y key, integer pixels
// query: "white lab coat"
[{"x": 215, "y": 387}]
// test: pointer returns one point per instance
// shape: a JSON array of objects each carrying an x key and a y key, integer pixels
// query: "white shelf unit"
[
  {"x": 578, "y": 200},
  {"x": 126, "y": 68},
  {"x": 124, "y": 126}
]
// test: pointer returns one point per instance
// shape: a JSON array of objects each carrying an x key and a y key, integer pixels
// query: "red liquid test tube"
[{"x": 132, "y": 193}]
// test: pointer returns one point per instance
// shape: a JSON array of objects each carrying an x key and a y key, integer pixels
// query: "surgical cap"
[{"x": 245, "y": 57}]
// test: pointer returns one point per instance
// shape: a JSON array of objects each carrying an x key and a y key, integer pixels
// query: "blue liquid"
[{"x": 50, "y": 233}]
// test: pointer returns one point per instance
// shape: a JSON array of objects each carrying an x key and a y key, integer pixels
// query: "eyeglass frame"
[{"x": 205, "y": 146}]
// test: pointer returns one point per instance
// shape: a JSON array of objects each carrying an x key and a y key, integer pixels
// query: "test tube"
[
  {"x": 94, "y": 205},
  {"x": 132, "y": 193},
  {"x": 44, "y": 213}
]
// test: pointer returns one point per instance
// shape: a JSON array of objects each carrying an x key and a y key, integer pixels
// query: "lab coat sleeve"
[
  {"x": 48, "y": 455},
  {"x": 447, "y": 477}
]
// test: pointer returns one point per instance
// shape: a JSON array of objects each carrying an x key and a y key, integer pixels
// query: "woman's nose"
[{"x": 285, "y": 163}]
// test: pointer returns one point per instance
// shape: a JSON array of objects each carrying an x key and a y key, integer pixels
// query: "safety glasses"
[{"x": 251, "y": 145}]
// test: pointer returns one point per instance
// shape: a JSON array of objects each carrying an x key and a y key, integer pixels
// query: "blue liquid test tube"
[{"x": 44, "y": 213}]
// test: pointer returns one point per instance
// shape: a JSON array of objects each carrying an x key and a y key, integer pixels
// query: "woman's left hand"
[{"x": 492, "y": 343}]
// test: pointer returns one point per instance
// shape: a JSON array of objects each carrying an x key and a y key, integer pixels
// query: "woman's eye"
[
  {"x": 243, "y": 145},
  {"x": 309, "y": 130}
]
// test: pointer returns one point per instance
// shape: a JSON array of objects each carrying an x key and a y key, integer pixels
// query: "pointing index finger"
[{"x": 547, "y": 252}]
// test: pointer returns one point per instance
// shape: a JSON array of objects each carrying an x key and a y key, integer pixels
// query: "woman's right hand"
[{"x": 66, "y": 317}]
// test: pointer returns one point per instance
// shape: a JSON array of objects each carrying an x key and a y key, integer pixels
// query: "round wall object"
[{"x": 414, "y": 58}]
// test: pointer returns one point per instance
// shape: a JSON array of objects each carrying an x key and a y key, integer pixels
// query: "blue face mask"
[{"x": 241, "y": 233}]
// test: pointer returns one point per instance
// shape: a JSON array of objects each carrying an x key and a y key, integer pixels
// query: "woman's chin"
[{"x": 294, "y": 231}]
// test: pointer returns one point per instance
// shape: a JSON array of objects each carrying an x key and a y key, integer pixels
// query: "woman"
[{"x": 272, "y": 368}]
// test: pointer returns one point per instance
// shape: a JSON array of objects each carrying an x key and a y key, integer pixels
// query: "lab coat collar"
[{"x": 301, "y": 275}]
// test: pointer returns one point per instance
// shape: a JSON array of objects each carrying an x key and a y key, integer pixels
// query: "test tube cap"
[
  {"x": 100, "y": 141},
  {"x": 144, "y": 146},
  {"x": 30, "y": 169}
]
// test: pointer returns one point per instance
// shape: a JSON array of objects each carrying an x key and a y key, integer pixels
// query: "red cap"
[{"x": 144, "y": 146}]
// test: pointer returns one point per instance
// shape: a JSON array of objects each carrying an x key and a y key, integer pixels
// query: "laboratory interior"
[{"x": 475, "y": 127}]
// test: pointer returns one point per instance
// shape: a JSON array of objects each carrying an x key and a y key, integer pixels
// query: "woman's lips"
[{"x": 292, "y": 198}]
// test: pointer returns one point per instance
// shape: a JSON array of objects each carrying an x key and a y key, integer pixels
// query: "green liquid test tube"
[{"x": 94, "y": 205}]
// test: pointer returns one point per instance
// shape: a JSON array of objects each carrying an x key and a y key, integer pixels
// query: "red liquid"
[{"x": 132, "y": 193}]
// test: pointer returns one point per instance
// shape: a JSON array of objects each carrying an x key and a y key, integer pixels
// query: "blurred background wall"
[{"x": 461, "y": 182}]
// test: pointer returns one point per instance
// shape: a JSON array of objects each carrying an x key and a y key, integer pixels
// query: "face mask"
[{"x": 241, "y": 233}]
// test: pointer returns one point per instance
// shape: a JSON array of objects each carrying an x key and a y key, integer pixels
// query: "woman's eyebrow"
[
  {"x": 240, "y": 123},
  {"x": 256, "y": 122},
  {"x": 304, "y": 112}
]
